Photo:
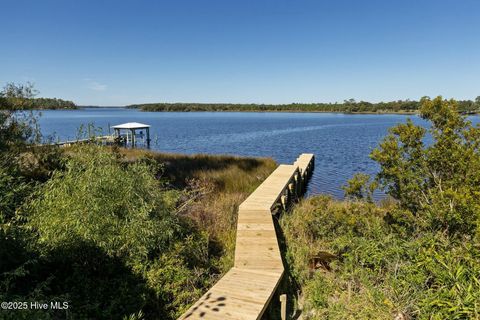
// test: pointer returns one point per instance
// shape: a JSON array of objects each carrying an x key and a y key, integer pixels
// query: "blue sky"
[{"x": 264, "y": 51}]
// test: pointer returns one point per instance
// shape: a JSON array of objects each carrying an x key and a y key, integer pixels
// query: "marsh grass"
[{"x": 217, "y": 185}]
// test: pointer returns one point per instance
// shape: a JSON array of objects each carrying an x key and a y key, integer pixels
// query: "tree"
[
  {"x": 21, "y": 91},
  {"x": 22, "y": 97},
  {"x": 18, "y": 96},
  {"x": 360, "y": 187},
  {"x": 18, "y": 129},
  {"x": 439, "y": 182}
]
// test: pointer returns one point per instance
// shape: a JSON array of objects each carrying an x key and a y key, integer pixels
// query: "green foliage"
[
  {"x": 22, "y": 97},
  {"x": 99, "y": 230},
  {"x": 401, "y": 159},
  {"x": 21, "y": 164},
  {"x": 438, "y": 183},
  {"x": 180, "y": 276},
  {"x": 214, "y": 187},
  {"x": 19, "y": 91},
  {"x": 104, "y": 235},
  {"x": 417, "y": 257},
  {"x": 94, "y": 284},
  {"x": 16, "y": 130},
  {"x": 96, "y": 227},
  {"x": 382, "y": 270},
  {"x": 360, "y": 187},
  {"x": 120, "y": 209},
  {"x": 348, "y": 106},
  {"x": 13, "y": 191},
  {"x": 52, "y": 103}
]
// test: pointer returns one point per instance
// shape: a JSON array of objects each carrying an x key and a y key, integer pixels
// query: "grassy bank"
[
  {"x": 117, "y": 233},
  {"x": 355, "y": 261}
]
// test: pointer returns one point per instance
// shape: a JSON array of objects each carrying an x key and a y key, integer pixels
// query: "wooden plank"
[
  {"x": 236, "y": 296},
  {"x": 256, "y": 246},
  {"x": 304, "y": 161},
  {"x": 246, "y": 290},
  {"x": 270, "y": 191}
]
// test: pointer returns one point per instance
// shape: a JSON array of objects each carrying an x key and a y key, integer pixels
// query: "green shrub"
[
  {"x": 438, "y": 183},
  {"x": 360, "y": 187},
  {"x": 417, "y": 257},
  {"x": 104, "y": 235},
  {"x": 13, "y": 191},
  {"x": 120, "y": 208},
  {"x": 380, "y": 271}
]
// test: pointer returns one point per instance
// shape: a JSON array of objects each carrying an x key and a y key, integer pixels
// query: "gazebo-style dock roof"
[{"x": 132, "y": 127}]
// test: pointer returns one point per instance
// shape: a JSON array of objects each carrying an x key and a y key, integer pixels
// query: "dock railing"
[{"x": 245, "y": 291}]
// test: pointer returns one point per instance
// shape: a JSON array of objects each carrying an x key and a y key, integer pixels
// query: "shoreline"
[
  {"x": 416, "y": 112},
  {"x": 289, "y": 111},
  {"x": 261, "y": 111}
]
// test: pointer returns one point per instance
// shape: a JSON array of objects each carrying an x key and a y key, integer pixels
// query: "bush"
[
  {"x": 417, "y": 257},
  {"x": 120, "y": 208},
  {"x": 438, "y": 183},
  {"x": 379, "y": 272},
  {"x": 104, "y": 235}
]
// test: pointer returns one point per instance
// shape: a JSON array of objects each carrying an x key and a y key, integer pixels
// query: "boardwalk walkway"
[{"x": 246, "y": 290}]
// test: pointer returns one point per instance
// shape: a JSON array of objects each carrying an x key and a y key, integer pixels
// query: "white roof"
[{"x": 131, "y": 125}]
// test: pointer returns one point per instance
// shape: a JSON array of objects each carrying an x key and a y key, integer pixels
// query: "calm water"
[{"x": 340, "y": 142}]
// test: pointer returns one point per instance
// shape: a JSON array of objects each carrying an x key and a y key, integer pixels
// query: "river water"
[{"x": 340, "y": 142}]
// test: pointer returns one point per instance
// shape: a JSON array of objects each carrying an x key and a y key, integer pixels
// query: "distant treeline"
[
  {"x": 35, "y": 103},
  {"x": 348, "y": 106},
  {"x": 52, "y": 103},
  {"x": 22, "y": 97}
]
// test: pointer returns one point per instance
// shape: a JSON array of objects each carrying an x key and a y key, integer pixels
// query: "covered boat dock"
[{"x": 132, "y": 133}]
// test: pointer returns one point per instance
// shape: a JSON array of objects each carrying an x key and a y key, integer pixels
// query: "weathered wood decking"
[
  {"x": 98, "y": 139},
  {"x": 246, "y": 290}
]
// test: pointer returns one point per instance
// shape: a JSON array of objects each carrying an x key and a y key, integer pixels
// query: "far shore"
[
  {"x": 295, "y": 111},
  {"x": 382, "y": 112},
  {"x": 403, "y": 112}
]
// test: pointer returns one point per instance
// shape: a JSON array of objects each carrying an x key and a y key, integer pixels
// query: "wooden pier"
[
  {"x": 245, "y": 291},
  {"x": 98, "y": 139},
  {"x": 125, "y": 135}
]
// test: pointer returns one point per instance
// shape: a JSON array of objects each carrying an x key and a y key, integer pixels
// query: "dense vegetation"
[
  {"x": 22, "y": 97},
  {"x": 115, "y": 233},
  {"x": 133, "y": 234},
  {"x": 348, "y": 106},
  {"x": 415, "y": 256}
]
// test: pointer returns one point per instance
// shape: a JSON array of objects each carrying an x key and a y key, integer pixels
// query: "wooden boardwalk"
[
  {"x": 98, "y": 139},
  {"x": 246, "y": 290}
]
